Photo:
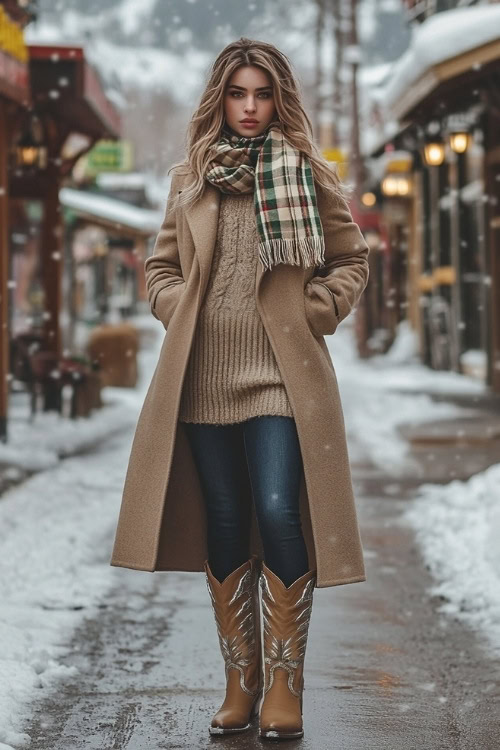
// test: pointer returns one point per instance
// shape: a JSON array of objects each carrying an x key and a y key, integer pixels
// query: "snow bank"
[
  {"x": 41, "y": 444},
  {"x": 458, "y": 528}
]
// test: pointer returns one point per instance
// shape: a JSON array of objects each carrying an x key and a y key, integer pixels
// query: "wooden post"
[
  {"x": 52, "y": 260},
  {"x": 4, "y": 274}
]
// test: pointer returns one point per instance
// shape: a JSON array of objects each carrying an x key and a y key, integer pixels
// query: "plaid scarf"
[{"x": 288, "y": 222}]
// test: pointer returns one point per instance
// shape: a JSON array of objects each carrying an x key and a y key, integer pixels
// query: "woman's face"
[{"x": 249, "y": 95}]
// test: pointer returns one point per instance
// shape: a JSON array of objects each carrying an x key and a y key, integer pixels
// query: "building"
[{"x": 442, "y": 205}]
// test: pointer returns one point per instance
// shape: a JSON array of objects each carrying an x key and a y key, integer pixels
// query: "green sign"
[{"x": 108, "y": 156}]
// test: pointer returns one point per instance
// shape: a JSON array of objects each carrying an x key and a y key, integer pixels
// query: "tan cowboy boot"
[
  {"x": 235, "y": 603},
  {"x": 286, "y": 614}
]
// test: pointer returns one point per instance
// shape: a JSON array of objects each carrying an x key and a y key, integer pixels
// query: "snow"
[
  {"x": 113, "y": 210},
  {"x": 55, "y": 528},
  {"x": 156, "y": 186},
  {"x": 439, "y": 38},
  {"x": 129, "y": 65},
  {"x": 132, "y": 14},
  {"x": 388, "y": 390},
  {"x": 457, "y": 525},
  {"x": 120, "y": 180},
  {"x": 54, "y": 535},
  {"x": 28, "y": 447},
  {"x": 458, "y": 528}
]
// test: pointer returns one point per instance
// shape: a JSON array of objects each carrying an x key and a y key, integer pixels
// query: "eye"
[{"x": 265, "y": 94}]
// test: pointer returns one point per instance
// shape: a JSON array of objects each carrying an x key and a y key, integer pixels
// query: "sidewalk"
[
  {"x": 385, "y": 670},
  {"x": 466, "y": 444},
  {"x": 42, "y": 444}
]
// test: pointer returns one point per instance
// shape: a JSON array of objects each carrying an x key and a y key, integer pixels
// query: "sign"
[
  {"x": 12, "y": 38},
  {"x": 14, "y": 78},
  {"x": 107, "y": 156},
  {"x": 339, "y": 157}
]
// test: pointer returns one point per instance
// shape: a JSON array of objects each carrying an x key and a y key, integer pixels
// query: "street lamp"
[
  {"x": 434, "y": 153},
  {"x": 460, "y": 141}
]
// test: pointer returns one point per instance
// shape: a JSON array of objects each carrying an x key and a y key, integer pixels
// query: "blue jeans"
[{"x": 257, "y": 459}]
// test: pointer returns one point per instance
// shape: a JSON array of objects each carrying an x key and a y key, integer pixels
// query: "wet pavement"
[{"x": 384, "y": 669}]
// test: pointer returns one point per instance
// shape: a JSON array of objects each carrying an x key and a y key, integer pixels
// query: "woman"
[{"x": 239, "y": 465}]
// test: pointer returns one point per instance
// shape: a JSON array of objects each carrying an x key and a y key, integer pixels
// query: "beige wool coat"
[{"x": 162, "y": 523}]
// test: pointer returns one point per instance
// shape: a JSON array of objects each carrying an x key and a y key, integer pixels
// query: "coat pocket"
[
  {"x": 167, "y": 300},
  {"x": 320, "y": 309}
]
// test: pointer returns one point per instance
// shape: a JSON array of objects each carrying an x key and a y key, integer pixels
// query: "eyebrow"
[{"x": 242, "y": 88}]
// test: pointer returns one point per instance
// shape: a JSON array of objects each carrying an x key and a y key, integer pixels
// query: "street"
[
  {"x": 158, "y": 160},
  {"x": 383, "y": 669}
]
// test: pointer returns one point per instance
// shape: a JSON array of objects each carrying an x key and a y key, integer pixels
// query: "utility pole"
[
  {"x": 319, "y": 36},
  {"x": 353, "y": 58}
]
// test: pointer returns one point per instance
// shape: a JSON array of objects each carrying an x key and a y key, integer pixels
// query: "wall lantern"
[
  {"x": 460, "y": 141},
  {"x": 30, "y": 149},
  {"x": 434, "y": 153}
]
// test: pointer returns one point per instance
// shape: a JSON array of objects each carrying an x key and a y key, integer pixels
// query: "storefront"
[
  {"x": 107, "y": 242},
  {"x": 69, "y": 112},
  {"x": 389, "y": 188},
  {"x": 15, "y": 97},
  {"x": 448, "y": 117}
]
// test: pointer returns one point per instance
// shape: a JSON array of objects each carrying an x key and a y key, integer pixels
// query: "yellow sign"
[
  {"x": 12, "y": 38},
  {"x": 339, "y": 157}
]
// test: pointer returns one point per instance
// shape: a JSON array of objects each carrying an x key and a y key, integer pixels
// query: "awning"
[
  {"x": 63, "y": 82},
  {"x": 111, "y": 213}
]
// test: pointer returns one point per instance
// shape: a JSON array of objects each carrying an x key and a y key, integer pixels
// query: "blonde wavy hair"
[{"x": 205, "y": 127}]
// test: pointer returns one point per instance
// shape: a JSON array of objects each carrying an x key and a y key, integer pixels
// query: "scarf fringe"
[{"x": 308, "y": 251}]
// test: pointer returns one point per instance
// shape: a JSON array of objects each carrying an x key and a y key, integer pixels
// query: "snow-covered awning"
[
  {"x": 444, "y": 46},
  {"x": 115, "y": 214}
]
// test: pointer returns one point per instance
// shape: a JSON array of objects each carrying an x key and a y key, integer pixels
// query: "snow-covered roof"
[
  {"x": 440, "y": 38},
  {"x": 120, "y": 181},
  {"x": 113, "y": 211}
]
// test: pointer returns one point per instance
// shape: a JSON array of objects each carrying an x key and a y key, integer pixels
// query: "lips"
[{"x": 249, "y": 122}]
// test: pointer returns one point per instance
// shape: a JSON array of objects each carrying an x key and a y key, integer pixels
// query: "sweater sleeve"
[
  {"x": 335, "y": 290},
  {"x": 164, "y": 280}
]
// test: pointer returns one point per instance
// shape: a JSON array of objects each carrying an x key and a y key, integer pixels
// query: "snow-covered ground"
[
  {"x": 55, "y": 527},
  {"x": 54, "y": 537},
  {"x": 457, "y": 525},
  {"x": 379, "y": 394}
]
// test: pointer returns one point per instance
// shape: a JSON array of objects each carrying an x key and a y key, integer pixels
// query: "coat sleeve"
[
  {"x": 164, "y": 280},
  {"x": 335, "y": 290}
]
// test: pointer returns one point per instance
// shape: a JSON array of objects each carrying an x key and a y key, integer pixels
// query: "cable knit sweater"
[{"x": 232, "y": 373}]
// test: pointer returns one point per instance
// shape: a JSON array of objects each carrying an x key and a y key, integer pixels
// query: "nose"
[{"x": 249, "y": 106}]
